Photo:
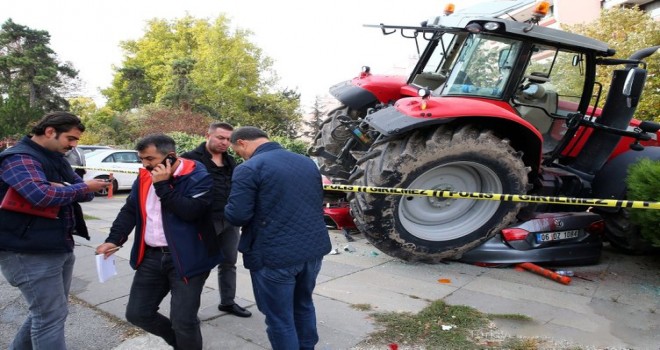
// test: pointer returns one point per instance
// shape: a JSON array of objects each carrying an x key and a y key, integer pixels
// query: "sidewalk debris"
[
  {"x": 568, "y": 273},
  {"x": 349, "y": 248},
  {"x": 545, "y": 273},
  {"x": 347, "y": 235},
  {"x": 334, "y": 251}
]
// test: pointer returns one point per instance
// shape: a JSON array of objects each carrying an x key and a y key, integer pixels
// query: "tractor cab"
[{"x": 534, "y": 69}]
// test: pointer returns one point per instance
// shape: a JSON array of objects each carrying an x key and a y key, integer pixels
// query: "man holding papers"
[{"x": 175, "y": 247}]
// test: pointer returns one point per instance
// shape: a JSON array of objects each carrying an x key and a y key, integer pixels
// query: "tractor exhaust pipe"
[
  {"x": 643, "y": 53},
  {"x": 622, "y": 99}
]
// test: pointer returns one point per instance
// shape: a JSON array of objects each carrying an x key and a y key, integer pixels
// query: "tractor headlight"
[
  {"x": 423, "y": 92},
  {"x": 491, "y": 26},
  {"x": 474, "y": 28}
]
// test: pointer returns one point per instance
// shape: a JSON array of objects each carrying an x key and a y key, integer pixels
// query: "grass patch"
[
  {"x": 362, "y": 307},
  {"x": 515, "y": 317},
  {"x": 90, "y": 217},
  {"x": 521, "y": 344},
  {"x": 471, "y": 329},
  {"x": 425, "y": 328}
]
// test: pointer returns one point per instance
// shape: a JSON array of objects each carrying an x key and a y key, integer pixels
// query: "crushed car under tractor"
[{"x": 495, "y": 104}]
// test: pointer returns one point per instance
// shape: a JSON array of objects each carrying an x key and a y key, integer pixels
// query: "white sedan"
[{"x": 122, "y": 163}]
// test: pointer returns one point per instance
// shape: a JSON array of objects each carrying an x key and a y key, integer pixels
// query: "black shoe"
[{"x": 235, "y": 309}]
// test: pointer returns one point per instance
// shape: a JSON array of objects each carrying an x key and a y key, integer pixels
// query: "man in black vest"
[
  {"x": 213, "y": 154},
  {"x": 36, "y": 253}
]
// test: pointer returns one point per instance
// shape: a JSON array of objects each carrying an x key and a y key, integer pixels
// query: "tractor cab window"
[
  {"x": 439, "y": 54},
  {"x": 483, "y": 67},
  {"x": 551, "y": 88}
]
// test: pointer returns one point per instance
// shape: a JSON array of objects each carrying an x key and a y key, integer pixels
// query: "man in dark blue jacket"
[
  {"x": 173, "y": 249},
  {"x": 277, "y": 198},
  {"x": 36, "y": 252}
]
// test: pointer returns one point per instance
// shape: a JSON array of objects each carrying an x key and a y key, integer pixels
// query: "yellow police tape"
[
  {"x": 110, "y": 170},
  {"x": 525, "y": 198},
  {"x": 592, "y": 202}
]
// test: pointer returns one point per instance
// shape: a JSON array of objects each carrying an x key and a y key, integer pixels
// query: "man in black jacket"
[{"x": 213, "y": 154}]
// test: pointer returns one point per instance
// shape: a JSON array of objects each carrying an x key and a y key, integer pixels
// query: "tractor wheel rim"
[{"x": 442, "y": 219}]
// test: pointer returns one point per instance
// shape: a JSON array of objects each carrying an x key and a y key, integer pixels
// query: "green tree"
[
  {"x": 293, "y": 145},
  {"x": 203, "y": 65},
  {"x": 103, "y": 125},
  {"x": 16, "y": 116},
  {"x": 181, "y": 92},
  {"x": 29, "y": 68},
  {"x": 83, "y": 107},
  {"x": 130, "y": 88},
  {"x": 628, "y": 30},
  {"x": 315, "y": 120}
]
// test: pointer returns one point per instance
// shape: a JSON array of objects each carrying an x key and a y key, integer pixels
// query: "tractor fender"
[
  {"x": 406, "y": 116},
  {"x": 363, "y": 91},
  {"x": 609, "y": 182}
]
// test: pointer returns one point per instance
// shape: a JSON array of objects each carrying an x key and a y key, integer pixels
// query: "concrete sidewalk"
[{"x": 617, "y": 307}]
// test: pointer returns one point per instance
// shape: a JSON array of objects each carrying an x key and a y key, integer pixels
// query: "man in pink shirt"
[{"x": 174, "y": 248}]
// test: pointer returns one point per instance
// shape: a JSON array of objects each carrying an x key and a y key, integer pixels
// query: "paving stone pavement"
[{"x": 616, "y": 303}]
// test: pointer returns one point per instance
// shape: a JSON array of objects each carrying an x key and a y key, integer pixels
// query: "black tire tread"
[{"x": 386, "y": 165}]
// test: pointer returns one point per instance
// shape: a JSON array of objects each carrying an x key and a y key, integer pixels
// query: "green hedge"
[{"x": 644, "y": 184}]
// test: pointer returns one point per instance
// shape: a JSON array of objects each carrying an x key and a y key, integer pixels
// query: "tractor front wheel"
[
  {"x": 431, "y": 229},
  {"x": 331, "y": 139}
]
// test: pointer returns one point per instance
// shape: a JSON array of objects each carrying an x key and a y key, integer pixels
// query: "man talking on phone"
[{"x": 174, "y": 248}]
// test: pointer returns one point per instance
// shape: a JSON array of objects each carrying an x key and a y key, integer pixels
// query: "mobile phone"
[{"x": 171, "y": 158}]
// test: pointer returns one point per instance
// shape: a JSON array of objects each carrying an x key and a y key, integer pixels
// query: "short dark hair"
[
  {"x": 247, "y": 133},
  {"x": 61, "y": 121},
  {"x": 163, "y": 143},
  {"x": 220, "y": 125}
]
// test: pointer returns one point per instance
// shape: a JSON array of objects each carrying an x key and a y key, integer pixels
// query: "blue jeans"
[
  {"x": 155, "y": 277},
  {"x": 44, "y": 281},
  {"x": 284, "y": 296}
]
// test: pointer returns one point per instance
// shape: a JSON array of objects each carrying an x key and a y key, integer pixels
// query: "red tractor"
[{"x": 493, "y": 105}]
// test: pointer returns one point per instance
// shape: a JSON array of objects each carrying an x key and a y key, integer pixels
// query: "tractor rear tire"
[
  {"x": 431, "y": 229},
  {"x": 331, "y": 138}
]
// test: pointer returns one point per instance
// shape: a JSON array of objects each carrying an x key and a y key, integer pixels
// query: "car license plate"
[{"x": 556, "y": 236}]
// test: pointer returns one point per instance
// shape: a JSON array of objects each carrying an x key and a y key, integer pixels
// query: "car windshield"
[{"x": 483, "y": 67}]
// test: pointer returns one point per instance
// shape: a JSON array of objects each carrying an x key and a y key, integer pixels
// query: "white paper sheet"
[{"x": 105, "y": 267}]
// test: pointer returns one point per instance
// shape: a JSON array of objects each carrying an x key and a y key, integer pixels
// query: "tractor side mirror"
[{"x": 577, "y": 59}]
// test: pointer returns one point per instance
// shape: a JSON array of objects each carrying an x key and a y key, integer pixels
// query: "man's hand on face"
[{"x": 162, "y": 172}]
